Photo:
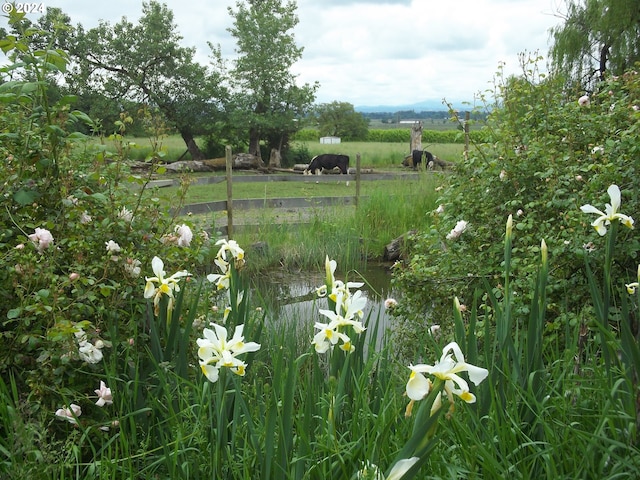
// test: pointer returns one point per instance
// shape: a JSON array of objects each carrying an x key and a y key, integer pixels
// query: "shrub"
[
  {"x": 74, "y": 238},
  {"x": 306, "y": 135},
  {"x": 546, "y": 154},
  {"x": 297, "y": 154}
]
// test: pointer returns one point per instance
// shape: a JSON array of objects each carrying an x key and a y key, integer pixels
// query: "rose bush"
[{"x": 77, "y": 226}]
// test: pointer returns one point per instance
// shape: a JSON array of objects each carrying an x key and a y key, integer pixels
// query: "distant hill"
[{"x": 426, "y": 105}]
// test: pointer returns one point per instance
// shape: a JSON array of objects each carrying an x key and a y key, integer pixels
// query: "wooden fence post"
[
  {"x": 227, "y": 151},
  {"x": 357, "y": 179}
]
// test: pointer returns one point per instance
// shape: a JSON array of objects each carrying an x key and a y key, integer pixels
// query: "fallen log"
[
  {"x": 443, "y": 164},
  {"x": 241, "y": 161},
  {"x": 396, "y": 248}
]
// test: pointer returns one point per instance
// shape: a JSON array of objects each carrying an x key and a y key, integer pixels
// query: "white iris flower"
[
  {"x": 451, "y": 363},
  {"x": 216, "y": 352},
  {"x": 610, "y": 213},
  {"x": 165, "y": 286}
]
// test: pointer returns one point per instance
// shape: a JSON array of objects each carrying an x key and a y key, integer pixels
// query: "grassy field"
[
  {"x": 383, "y": 155},
  {"x": 373, "y": 154}
]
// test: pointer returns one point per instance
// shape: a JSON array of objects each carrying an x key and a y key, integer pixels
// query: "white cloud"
[{"x": 369, "y": 52}]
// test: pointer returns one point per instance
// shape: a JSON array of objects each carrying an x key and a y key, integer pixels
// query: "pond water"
[{"x": 291, "y": 296}]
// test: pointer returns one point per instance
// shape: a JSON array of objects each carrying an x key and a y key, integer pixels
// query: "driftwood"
[
  {"x": 240, "y": 161},
  {"x": 396, "y": 248}
]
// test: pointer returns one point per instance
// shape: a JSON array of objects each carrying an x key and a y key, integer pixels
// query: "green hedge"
[{"x": 403, "y": 136}]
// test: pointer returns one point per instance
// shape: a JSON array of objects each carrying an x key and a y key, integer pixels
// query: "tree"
[
  {"x": 145, "y": 63},
  {"x": 266, "y": 100},
  {"x": 597, "y": 36},
  {"x": 339, "y": 119}
]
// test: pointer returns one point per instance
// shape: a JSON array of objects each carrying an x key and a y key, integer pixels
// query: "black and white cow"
[
  {"x": 416, "y": 156},
  {"x": 328, "y": 161}
]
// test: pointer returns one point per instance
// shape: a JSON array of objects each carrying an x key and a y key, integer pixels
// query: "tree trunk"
[
  {"x": 604, "y": 57},
  {"x": 416, "y": 137},
  {"x": 254, "y": 142},
  {"x": 192, "y": 146},
  {"x": 275, "y": 160}
]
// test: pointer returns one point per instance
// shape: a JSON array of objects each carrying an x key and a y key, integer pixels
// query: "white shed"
[{"x": 329, "y": 139}]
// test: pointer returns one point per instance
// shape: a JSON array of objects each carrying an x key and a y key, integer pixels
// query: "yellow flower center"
[{"x": 466, "y": 396}]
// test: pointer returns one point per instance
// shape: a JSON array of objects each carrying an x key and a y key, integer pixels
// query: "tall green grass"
[{"x": 350, "y": 235}]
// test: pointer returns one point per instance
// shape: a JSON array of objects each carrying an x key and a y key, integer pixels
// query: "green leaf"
[
  {"x": 55, "y": 130},
  {"x": 43, "y": 293},
  {"x": 101, "y": 197},
  {"x": 25, "y": 197},
  {"x": 68, "y": 100},
  {"x": 7, "y": 44},
  {"x": 29, "y": 87},
  {"x": 14, "y": 313},
  {"x": 83, "y": 116},
  {"x": 77, "y": 136}
]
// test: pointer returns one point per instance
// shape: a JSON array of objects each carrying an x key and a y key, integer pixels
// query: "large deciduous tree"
[
  {"x": 145, "y": 63},
  {"x": 597, "y": 36},
  {"x": 341, "y": 120},
  {"x": 266, "y": 100}
]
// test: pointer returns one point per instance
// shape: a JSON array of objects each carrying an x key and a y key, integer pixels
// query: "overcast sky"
[{"x": 373, "y": 52}]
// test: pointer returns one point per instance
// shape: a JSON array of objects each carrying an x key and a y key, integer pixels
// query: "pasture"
[
  {"x": 383, "y": 155},
  {"x": 373, "y": 154}
]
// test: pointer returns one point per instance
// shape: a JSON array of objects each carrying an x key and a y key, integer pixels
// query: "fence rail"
[
  {"x": 282, "y": 178},
  {"x": 256, "y": 203},
  {"x": 231, "y": 204}
]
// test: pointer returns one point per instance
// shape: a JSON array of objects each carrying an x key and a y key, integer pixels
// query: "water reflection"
[{"x": 291, "y": 296}]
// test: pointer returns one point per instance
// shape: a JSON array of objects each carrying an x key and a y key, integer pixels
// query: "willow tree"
[
  {"x": 597, "y": 36},
  {"x": 266, "y": 100},
  {"x": 145, "y": 63}
]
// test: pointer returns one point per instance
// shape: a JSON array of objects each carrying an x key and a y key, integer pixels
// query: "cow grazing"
[
  {"x": 328, "y": 161},
  {"x": 416, "y": 157}
]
